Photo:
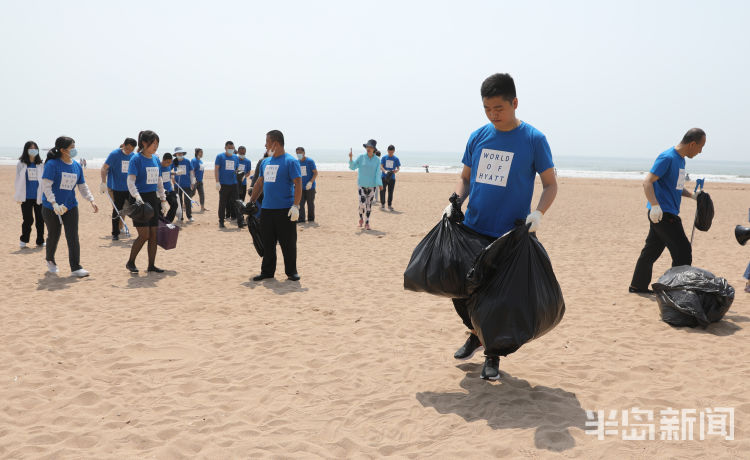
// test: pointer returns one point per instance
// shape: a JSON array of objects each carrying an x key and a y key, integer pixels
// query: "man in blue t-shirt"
[
  {"x": 198, "y": 167},
  {"x": 244, "y": 169},
  {"x": 225, "y": 168},
  {"x": 501, "y": 162},
  {"x": 309, "y": 173},
  {"x": 390, "y": 165},
  {"x": 184, "y": 178},
  {"x": 281, "y": 184},
  {"x": 664, "y": 187},
  {"x": 115, "y": 180}
]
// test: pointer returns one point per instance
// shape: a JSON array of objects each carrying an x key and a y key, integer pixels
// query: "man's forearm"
[
  {"x": 297, "y": 191},
  {"x": 462, "y": 190},
  {"x": 648, "y": 190},
  {"x": 104, "y": 173},
  {"x": 547, "y": 198}
]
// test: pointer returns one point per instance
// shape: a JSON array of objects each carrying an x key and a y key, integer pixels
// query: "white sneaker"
[
  {"x": 80, "y": 273},
  {"x": 191, "y": 220},
  {"x": 21, "y": 244},
  {"x": 51, "y": 267}
]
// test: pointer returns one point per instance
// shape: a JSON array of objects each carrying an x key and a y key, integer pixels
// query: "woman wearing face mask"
[
  {"x": 145, "y": 186},
  {"x": 59, "y": 205},
  {"x": 368, "y": 180},
  {"x": 28, "y": 193}
]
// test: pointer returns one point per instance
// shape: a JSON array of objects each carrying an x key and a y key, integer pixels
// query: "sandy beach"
[{"x": 203, "y": 362}]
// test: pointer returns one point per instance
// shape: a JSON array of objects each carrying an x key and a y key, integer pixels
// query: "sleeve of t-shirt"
[
  {"x": 467, "y": 153},
  {"x": 382, "y": 161},
  {"x": 397, "y": 164},
  {"x": 542, "y": 154},
  {"x": 110, "y": 160},
  {"x": 261, "y": 168},
  {"x": 661, "y": 166},
  {"x": 294, "y": 170},
  {"x": 81, "y": 178},
  {"x": 218, "y": 162},
  {"x": 133, "y": 167},
  {"x": 49, "y": 170},
  {"x": 312, "y": 165}
]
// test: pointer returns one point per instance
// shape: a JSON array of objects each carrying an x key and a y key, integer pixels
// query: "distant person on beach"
[
  {"x": 184, "y": 177},
  {"x": 167, "y": 179},
  {"x": 390, "y": 165},
  {"x": 501, "y": 162},
  {"x": 664, "y": 188},
  {"x": 60, "y": 207},
  {"x": 244, "y": 169},
  {"x": 114, "y": 174},
  {"x": 28, "y": 193},
  {"x": 309, "y": 175},
  {"x": 83, "y": 163},
  {"x": 198, "y": 166},
  {"x": 426, "y": 168},
  {"x": 280, "y": 181},
  {"x": 225, "y": 173},
  {"x": 369, "y": 182},
  {"x": 256, "y": 175},
  {"x": 146, "y": 186}
]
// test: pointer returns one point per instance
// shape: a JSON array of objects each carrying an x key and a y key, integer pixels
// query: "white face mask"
[
  {"x": 300, "y": 156},
  {"x": 230, "y": 151},
  {"x": 73, "y": 152},
  {"x": 33, "y": 153},
  {"x": 242, "y": 157},
  {"x": 180, "y": 157}
]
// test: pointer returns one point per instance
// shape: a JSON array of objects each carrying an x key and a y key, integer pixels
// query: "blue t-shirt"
[
  {"x": 33, "y": 176},
  {"x": 227, "y": 166},
  {"x": 243, "y": 167},
  {"x": 670, "y": 167},
  {"x": 307, "y": 166},
  {"x": 198, "y": 169},
  {"x": 182, "y": 173},
  {"x": 389, "y": 164},
  {"x": 146, "y": 172},
  {"x": 503, "y": 167},
  {"x": 278, "y": 175},
  {"x": 166, "y": 177},
  {"x": 64, "y": 179},
  {"x": 117, "y": 171},
  {"x": 369, "y": 170}
]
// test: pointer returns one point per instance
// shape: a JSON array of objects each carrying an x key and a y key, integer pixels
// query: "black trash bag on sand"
[
  {"x": 515, "y": 296},
  {"x": 253, "y": 224},
  {"x": 690, "y": 296},
  {"x": 442, "y": 259},
  {"x": 704, "y": 212}
]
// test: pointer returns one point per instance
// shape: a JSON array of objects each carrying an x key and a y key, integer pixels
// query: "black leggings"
[
  {"x": 54, "y": 228},
  {"x": 32, "y": 215}
]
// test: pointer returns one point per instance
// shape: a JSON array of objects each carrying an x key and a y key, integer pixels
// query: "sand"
[{"x": 202, "y": 362}]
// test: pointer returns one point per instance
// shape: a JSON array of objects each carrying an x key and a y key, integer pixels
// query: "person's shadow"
[
  {"x": 278, "y": 287},
  {"x": 513, "y": 403},
  {"x": 371, "y": 232},
  {"x": 145, "y": 279},
  {"x": 54, "y": 282}
]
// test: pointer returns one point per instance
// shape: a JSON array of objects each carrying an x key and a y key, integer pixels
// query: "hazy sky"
[{"x": 598, "y": 78}]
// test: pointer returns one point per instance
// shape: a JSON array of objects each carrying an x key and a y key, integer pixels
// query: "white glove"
[
  {"x": 535, "y": 219},
  {"x": 448, "y": 210},
  {"x": 218, "y": 186},
  {"x": 138, "y": 199},
  {"x": 293, "y": 213},
  {"x": 308, "y": 186},
  {"x": 695, "y": 195},
  {"x": 59, "y": 210},
  {"x": 655, "y": 214},
  {"x": 103, "y": 187},
  {"x": 164, "y": 207}
]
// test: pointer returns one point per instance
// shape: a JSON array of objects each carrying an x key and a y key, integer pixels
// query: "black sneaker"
[
  {"x": 221, "y": 225},
  {"x": 491, "y": 370},
  {"x": 469, "y": 348},
  {"x": 155, "y": 269},
  {"x": 294, "y": 277},
  {"x": 261, "y": 277},
  {"x": 115, "y": 237},
  {"x": 633, "y": 290}
]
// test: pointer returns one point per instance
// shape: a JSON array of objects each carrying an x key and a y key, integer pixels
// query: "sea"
[{"x": 600, "y": 167}]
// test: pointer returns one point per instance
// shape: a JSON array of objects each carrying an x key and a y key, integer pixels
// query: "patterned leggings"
[{"x": 366, "y": 196}]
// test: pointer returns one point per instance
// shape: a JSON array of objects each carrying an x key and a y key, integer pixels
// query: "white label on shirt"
[
  {"x": 494, "y": 167},
  {"x": 388, "y": 164},
  {"x": 68, "y": 181},
  {"x": 124, "y": 167},
  {"x": 229, "y": 165},
  {"x": 201, "y": 166},
  {"x": 165, "y": 176},
  {"x": 269, "y": 174},
  {"x": 181, "y": 170},
  {"x": 152, "y": 175},
  {"x": 304, "y": 170},
  {"x": 32, "y": 174},
  {"x": 681, "y": 180},
  {"x": 241, "y": 168}
]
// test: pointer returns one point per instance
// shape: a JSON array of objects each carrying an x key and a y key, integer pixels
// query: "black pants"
[
  {"x": 172, "y": 202},
  {"x": 241, "y": 192},
  {"x": 185, "y": 198},
  {"x": 201, "y": 193},
  {"x": 227, "y": 201},
  {"x": 387, "y": 184},
  {"x": 667, "y": 233},
  {"x": 32, "y": 214},
  {"x": 463, "y": 311},
  {"x": 119, "y": 198},
  {"x": 308, "y": 197},
  {"x": 275, "y": 226},
  {"x": 54, "y": 228}
]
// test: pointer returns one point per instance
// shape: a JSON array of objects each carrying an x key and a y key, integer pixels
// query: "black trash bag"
[
  {"x": 141, "y": 212},
  {"x": 253, "y": 223},
  {"x": 690, "y": 296},
  {"x": 442, "y": 259},
  {"x": 704, "y": 213},
  {"x": 515, "y": 296}
]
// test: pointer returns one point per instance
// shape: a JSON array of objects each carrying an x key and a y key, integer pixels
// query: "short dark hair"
[
  {"x": 166, "y": 156},
  {"x": 300, "y": 148},
  {"x": 130, "y": 141},
  {"x": 24, "y": 158},
  {"x": 146, "y": 137},
  {"x": 499, "y": 84},
  {"x": 276, "y": 136},
  {"x": 198, "y": 150},
  {"x": 228, "y": 143},
  {"x": 693, "y": 135},
  {"x": 391, "y": 147}
]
